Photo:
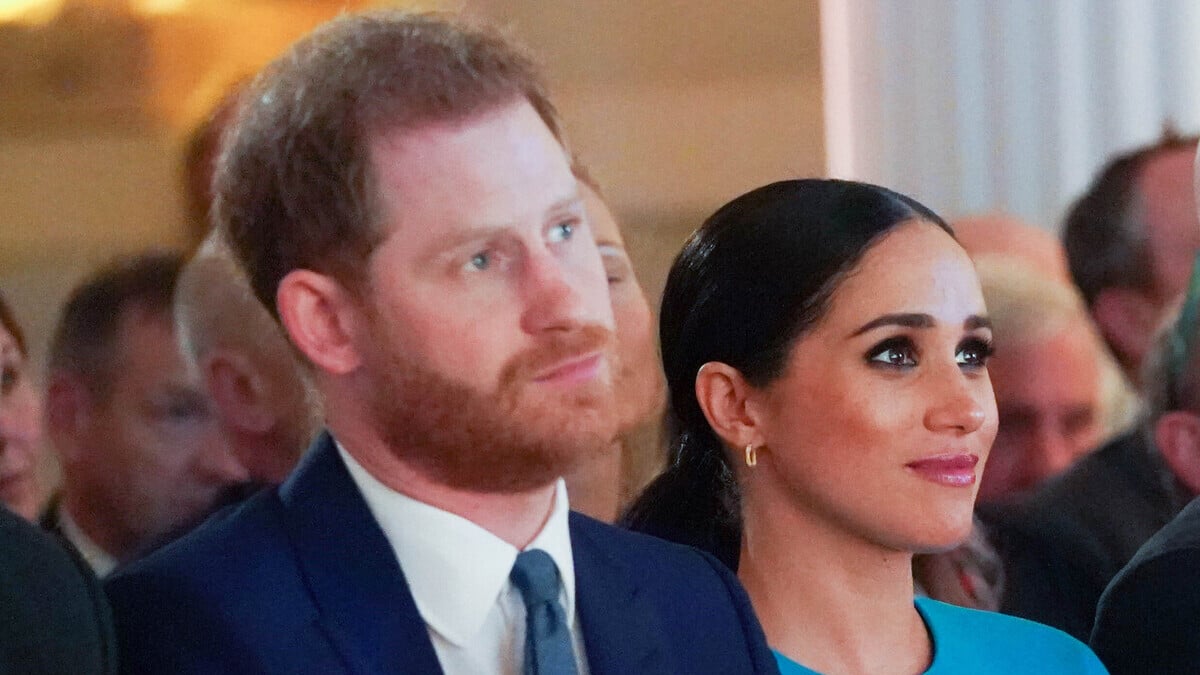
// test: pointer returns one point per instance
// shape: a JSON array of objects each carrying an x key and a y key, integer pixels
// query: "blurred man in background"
[
  {"x": 140, "y": 448},
  {"x": 1130, "y": 240},
  {"x": 248, "y": 369}
]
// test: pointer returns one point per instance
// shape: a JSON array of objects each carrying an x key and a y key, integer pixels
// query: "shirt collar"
[
  {"x": 97, "y": 558},
  {"x": 456, "y": 570}
]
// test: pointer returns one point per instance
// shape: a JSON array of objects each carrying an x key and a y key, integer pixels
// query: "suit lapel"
[
  {"x": 621, "y": 631},
  {"x": 360, "y": 592}
]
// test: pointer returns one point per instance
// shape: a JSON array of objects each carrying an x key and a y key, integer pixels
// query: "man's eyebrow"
[
  {"x": 571, "y": 202},
  {"x": 916, "y": 320}
]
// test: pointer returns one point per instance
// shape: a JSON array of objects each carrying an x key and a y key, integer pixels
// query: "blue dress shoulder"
[{"x": 987, "y": 643}]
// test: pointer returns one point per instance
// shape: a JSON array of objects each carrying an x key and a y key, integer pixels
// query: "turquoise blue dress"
[{"x": 985, "y": 643}]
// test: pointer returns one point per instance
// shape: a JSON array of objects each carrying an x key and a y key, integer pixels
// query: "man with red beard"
[{"x": 398, "y": 192}]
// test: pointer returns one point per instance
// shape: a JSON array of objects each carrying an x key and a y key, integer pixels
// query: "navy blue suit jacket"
[{"x": 302, "y": 580}]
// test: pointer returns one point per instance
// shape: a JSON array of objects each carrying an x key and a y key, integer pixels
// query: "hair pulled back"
[{"x": 756, "y": 276}]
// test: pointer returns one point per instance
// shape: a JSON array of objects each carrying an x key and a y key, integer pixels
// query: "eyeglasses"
[{"x": 1183, "y": 334}]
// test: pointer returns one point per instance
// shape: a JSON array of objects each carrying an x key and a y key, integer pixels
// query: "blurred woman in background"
[{"x": 20, "y": 420}]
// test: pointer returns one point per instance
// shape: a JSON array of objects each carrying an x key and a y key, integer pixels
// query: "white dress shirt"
[
  {"x": 97, "y": 558},
  {"x": 458, "y": 575}
]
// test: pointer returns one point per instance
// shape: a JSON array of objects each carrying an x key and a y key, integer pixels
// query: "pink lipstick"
[{"x": 951, "y": 470}]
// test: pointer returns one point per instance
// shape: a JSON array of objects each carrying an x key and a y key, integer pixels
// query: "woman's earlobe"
[{"x": 723, "y": 392}]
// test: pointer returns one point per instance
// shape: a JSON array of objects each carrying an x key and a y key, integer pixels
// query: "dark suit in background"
[
  {"x": 302, "y": 580},
  {"x": 53, "y": 615},
  {"x": 1064, "y": 544},
  {"x": 1149, "y": 617}
]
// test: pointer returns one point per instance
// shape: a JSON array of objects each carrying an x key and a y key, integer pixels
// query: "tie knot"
[{"x": 536, "y": 576}]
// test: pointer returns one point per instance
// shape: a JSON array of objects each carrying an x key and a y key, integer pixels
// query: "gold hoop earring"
[{"x": 751, "y": 455}]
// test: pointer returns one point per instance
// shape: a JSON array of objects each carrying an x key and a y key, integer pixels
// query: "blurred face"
[
  {"x": 1047, "y": 421},
  {"x": 1173, "y": 229},
  {"x": 880, "y": 426},
  {"x": 20, "y": 430},
  {"x": 155, "y": 458},
  {"x": 640, "y": 386},
  {"x": 490, "y": 326}
]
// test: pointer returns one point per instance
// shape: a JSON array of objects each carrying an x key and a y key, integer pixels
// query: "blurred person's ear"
[
  {"x": 68, "y": 413},
  {"x": 238, "y": 390},
  {"x": 1127, "y": 319},
  {"x": 319, "y": 315},
  {"x": 724, "y": 396},
  {"x": 1177, "y": 436}
]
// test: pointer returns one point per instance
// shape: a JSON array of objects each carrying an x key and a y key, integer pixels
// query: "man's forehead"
[
  {"x": 492, "y": 170},
  {"x": 145, "y": 340}
]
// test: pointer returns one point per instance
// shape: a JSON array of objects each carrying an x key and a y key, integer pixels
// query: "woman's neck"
[{"x": 830, "y": 601}]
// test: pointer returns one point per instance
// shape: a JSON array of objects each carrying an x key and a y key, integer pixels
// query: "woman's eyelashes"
[
  {"x": 901, "y": 351},
  {"x": 894, "y": 352},
  {"x": 974, "y": 352}
]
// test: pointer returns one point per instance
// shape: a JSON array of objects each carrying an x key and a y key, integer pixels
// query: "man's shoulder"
[
  {"x": 1113, "y": 498},
  {"x": 55, "y": 617},
  {"x": 216, "y": 600},
  {"x": 640, "y": 549},
  {"x": 1122, "y": 465},
  {"x": 1179, "y": 539},
  {"x": 225, "y": 557},
  {"x": 1145, "y": 620},
  {"x": 689, "y": 600},
  {"x": 675, "y": 574}
]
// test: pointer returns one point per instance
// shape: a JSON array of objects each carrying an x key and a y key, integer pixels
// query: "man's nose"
[{"x": 564, "y": 294}]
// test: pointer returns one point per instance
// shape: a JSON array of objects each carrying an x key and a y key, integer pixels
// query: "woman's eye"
[
  {"x": 974, "y": 353},
  {"x": 562, "y": 231},
  {"x": 9, "y": 377},
  {"x": 895, "y": 353}
]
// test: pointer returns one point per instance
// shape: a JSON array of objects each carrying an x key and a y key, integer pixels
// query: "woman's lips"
[{"x": 951, "y": 470}]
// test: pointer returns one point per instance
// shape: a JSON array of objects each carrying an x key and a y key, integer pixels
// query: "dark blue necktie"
[{"x": 547, "y": 638}]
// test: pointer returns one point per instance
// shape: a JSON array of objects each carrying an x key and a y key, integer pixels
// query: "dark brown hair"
[
  {"x": 1104, "y": 235},
  {"x": 294, "y": 185},
  {"x": 85, "y": 339},
  {"x": 754, "y": 279}
]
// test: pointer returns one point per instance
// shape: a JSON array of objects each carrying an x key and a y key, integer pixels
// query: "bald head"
[
  {"x": 245, "y": 362},
  {"x": 997, "y": 234}
]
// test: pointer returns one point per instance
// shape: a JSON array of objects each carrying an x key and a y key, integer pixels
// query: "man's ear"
[
  {"x": 68, "y": 414},
  {"x": 238, "y": 390},
  {"x": 1127, "y": 319},
  {"x": 1177, "y": 436},
  {"x": 724, "y": 396},
  {"x": 320, "y": 316}
]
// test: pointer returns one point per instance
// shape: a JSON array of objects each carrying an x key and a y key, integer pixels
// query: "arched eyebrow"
[{"x": 917, "y": 320}]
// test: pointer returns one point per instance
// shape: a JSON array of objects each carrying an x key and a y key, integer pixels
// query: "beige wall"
[
  {"x": 679, "y": 106},
  {"x": 676, "y": 106}
]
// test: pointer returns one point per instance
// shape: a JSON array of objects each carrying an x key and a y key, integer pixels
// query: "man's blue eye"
[
  {"x": 480, "y": 261},
  {"x": 562, "y": 232}
]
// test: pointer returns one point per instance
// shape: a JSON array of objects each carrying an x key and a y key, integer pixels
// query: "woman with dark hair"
[
  {"x": 20, "y": 420},
  {"x": 825, "y": 346}
]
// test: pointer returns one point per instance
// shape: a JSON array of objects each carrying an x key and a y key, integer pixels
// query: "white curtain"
[{"x": 1002, "y": 105}]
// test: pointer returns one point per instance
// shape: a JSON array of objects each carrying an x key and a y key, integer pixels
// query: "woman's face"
[
  {"x": 641, "y": 388},
  {"x": 20, "y": 430},
  {"x": 881, "y": 423}
]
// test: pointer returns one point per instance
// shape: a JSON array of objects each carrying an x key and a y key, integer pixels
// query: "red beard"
[{"x": 520, "y": 437}]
